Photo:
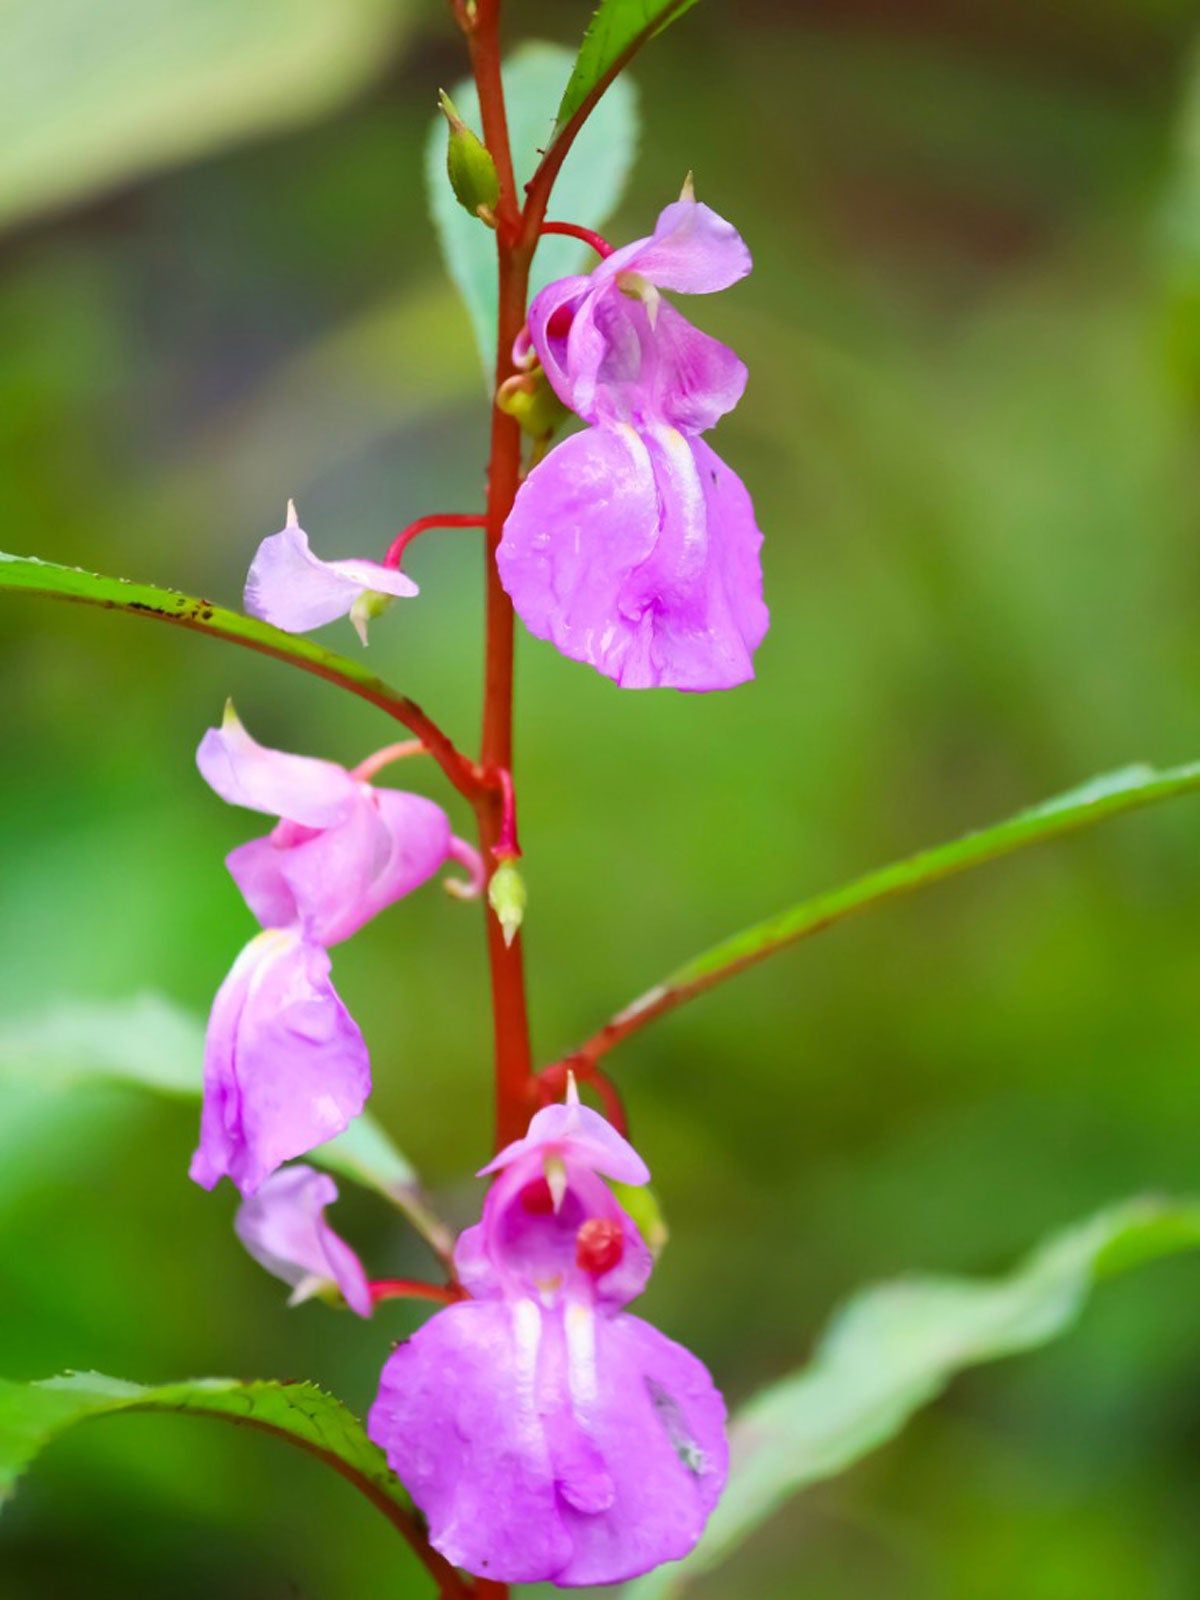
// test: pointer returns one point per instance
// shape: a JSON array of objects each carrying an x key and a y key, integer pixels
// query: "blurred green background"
[{"x": 974, "y": 339}]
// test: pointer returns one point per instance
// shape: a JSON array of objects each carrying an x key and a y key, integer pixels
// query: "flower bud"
[
  {"x": 471, "y": 169},
  {"x": 529, "y": 398},
  {"x": 507, "y": 897}
]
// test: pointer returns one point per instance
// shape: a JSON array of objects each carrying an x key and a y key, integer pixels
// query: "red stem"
[
  {"x": 506, "y": 847},
  {"x": 413, "y": 1289},
  {"x": 510, "y": 1022},
  {"x": 572, "y": 230},
  {"x": 440, "y": 519}
]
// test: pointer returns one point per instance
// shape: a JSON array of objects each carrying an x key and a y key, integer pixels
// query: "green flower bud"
[
  {"x": 529, "y": 398},
  {"x": 369, "y": 605},
  {"x": 642, "y": 1205},
  {"x": 471, "y": 169},
  {"x": 507, "y": 898}
]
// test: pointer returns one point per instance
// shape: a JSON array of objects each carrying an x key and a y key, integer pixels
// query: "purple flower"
[
  {"x": 285, "y": 1067},
  {"x": 614, "y": 351},
  {"x": 342, "y": 851},
  {"x": 283, "y": 1227},
  {"x": 632, "y": 546},
  {"x": 291, "y": 587},
  {"x": 573, "y": 1443}
]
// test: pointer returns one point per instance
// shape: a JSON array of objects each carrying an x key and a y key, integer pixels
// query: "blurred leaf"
[
  {"x": 53, "y": 582},
  {"x": 152, "y": 1044},
  {"x": 96, "y": 95},
  {"x": 1128, "y": 789},
  {"x": 896, "y": 1347},
  {"x": 618, "y": 29},
  {"x": 32, "y": 1415},
  {"x": 587, "y": 190}
]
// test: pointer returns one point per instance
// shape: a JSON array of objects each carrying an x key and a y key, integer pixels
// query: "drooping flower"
[
  {"x": 283, "y": 1227},
  {"x": 285, "y": 1066},
  {"x": 295, "y": 590},
  {"x": 342, "y": 850},
  {"x": 632, "y": 546},
  {"x": 575, "y": 1444}
]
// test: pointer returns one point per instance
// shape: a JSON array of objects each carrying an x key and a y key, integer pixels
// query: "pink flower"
[
  {"x": 283, "y": 1227},
  {"x": 342, "y": 850},
  {"x": 632, "y": 546},
  {"x": 285, "y": 1067},
  {"x": 291, "y": 587},
  {"x": 575, "y": 1444}
]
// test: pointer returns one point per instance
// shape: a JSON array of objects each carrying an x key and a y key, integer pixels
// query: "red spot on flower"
[
  {"x": 599, "y": 1245},
  {"x": 560, "y": 322},
  {"x": 537, "y": 1199}
]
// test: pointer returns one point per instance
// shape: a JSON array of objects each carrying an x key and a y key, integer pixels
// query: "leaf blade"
[
  {"x": 616, "y": 32},
  {"x": 896, "y": 1347}
]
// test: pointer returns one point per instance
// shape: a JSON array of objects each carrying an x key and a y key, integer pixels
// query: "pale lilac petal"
[
  {"x": 626, "y": 555},
  {"x": 304, "y": 789},
  {"x": 567, "y": 343},
  {"x": 294, "y": 589},
  {"x": 334, "y": 880},
  {"x": 283, "y": 1227},
  {"x": 285, "y": 1066},
  {"x": 582, "y": 1133},
  {"x": 569, "y": 1448},
  {"x": 692, "y": 251}
]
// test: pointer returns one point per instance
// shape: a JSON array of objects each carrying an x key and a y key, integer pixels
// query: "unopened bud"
[
  {"x": 471, "y": 169},
  {"x": 529, "y": 398},
  {"x": 507, "y": 898}
]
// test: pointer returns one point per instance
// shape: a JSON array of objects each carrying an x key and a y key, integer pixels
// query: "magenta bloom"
[
  {"x": 574, "y": 1443},
  {"x": 283, "y": 1227},
  {"x": 291, "y": 587},
  {"x": 632, "y": 546},
  {"x": 285, "y": 1067}
]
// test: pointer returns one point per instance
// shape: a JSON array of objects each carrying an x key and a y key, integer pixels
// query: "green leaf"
[
  {"x": 32, "y": 1415},
  {"x": 1107, "y": 796},
  {"x": 894, "y": 1348},
  {"x": 97, "y": 95},
  {"x": 588, "y": 188},
  {"x": 48, "y": 580},
  {"x": 617, "y": 31},
  {"x": 150, "y": 1043}
]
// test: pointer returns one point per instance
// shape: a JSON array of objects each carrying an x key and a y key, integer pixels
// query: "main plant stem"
[{"x": 510, "y": 1023}]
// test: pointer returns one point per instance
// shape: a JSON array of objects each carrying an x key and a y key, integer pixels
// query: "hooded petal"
[
  {"x": 245, "y": 773},
  {"x": 283, "y": 1227},
  {"x": 569, "y": 1448},
  {"x": 577, "y": 1131},
  {"x": 285, "y": 1066},
  {"x": 692, "y": 251},
  {"x": 626, "y": 555},
  {"x": 289, "y": 586}
]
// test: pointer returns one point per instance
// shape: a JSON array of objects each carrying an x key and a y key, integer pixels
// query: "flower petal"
[
  {"x": 627, "y": 556},
  {"x": 692, "y": 251},
  {"x": 285, "y": 1066},
  {"x": 583, "y": 1134},
  {"x": 283, "y": 1227},
  {"x": 572, "y": 1449},
  {"x": 304, "y": 789},
  {"x": 289, "y": 586}
]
